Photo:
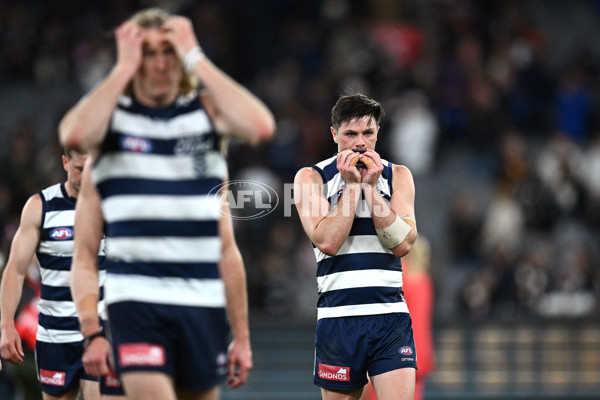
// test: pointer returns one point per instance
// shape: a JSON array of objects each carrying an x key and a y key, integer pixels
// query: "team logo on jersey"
[
  {"x": 141, "y": 354},
  {"x": 198, "y": 147},
  {"x": 194, "y": 145},
  {"x": 136, "y": 144},
  {"x": 61, "y": 233},
  {"x": 406, "y": 350},
  {"x": 54, "y": 378},
  {"x": 334, "y": 373}
]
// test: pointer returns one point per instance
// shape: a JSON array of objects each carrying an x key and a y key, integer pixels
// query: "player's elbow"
[
  {"x": 329, "y": 247},
  {"x": 71, "y": 136},
  {"x": 402, "y": 249},
  {"x": 264, "y": 130}
]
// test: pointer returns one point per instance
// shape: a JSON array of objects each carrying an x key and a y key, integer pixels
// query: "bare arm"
[
  {"x": 234, "y": 276},
  {"x": 402, "y": 204},
  {"x": 84, "y": 272},
  {"x": 21, "y": 253},
  {"x": 84, "y": 267},
  {"x": 84, "y": 126},
  {"x": 327, "y": 227},
  {"x": 239, "y": 113}
]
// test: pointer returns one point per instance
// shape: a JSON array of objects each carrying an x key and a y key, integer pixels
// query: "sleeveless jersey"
[
  {"x": 57, "y": 319},
  {"x": 364, "y": 277},
  {"x": 157, "y": 175}
]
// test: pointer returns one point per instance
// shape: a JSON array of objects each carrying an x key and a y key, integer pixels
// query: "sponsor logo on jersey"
[
  {"x": 406, "y": 350},
  {"x": 334, "y": 373},
  {"x": 54, "y": 378},
  {"x": 141, "y": 354},
  {"x": 61, "y": 233},
  {"x": 136, "y": 144}
]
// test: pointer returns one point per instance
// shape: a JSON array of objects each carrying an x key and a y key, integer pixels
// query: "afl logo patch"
[
  {"x": 406, "y": 350},
  {"x": 136, "y": 144},
  {"x": 61, "y": 233}
]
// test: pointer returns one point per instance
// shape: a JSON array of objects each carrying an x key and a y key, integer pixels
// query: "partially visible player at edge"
[
  {"x": 157, "y": 145},
  {"x": 360, "y": 220},
  {"x": 46, "y": 232}
]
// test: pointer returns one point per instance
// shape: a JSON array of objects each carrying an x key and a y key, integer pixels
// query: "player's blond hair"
[{"x": 154, "y": 18}]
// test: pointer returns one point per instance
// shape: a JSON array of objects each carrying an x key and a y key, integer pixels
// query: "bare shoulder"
[
  {"x": 32, "y": 211},
  {"x": 307, "y": 175},
  {"x": 33, "y": 204},
  {"x": 401, "y": 175}
]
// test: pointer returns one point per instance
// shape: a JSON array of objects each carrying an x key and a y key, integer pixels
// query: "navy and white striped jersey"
[
  {"x": 364, "y": 277},
  {"x": 57, "y": 320},
  {"x": 157, "y": 175}
]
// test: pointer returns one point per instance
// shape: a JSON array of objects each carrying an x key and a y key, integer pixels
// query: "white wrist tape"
[
  {"x": 394, "y": 234},
  {"x": 191, "y": 58}
]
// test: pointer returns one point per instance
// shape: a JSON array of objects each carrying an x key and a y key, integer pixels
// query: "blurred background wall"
[{"x": 492, "y": 105}]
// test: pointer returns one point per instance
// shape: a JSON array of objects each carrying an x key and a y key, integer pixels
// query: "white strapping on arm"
[
  {"x": 191, "y": 58},
  {"x": 394, "y": 234}
]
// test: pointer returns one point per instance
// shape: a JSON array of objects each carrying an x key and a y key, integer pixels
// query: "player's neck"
[{"x": 71, "y": 191}]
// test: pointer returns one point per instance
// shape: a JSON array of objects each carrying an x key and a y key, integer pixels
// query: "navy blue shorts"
[
  {"x": 186, "y": 343},
  {"x": 348, "y": 348},
  {"x": 110, "y": 385},
  {"x": 59, "y": 367}
]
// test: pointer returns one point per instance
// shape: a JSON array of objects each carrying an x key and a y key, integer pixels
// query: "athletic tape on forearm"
[
  {"x": 394, "y": 234},
  {"x": 191, "y": 58}
]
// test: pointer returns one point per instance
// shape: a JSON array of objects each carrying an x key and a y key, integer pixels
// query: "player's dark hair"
[
  {"x": 69, "y": 151},
  {"x": 355, "y": 106}
]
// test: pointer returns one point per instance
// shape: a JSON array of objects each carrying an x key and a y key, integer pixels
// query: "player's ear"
[{"x": 335, "y": 139}]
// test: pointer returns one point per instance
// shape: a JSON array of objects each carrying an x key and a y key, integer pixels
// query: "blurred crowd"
[{"x": 478, "y": 85}]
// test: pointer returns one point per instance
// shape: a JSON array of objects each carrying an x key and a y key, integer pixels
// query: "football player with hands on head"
[{"x": 156, "y": 126}]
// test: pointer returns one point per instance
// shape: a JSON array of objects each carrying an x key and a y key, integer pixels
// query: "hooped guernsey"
[
  {"x": 156, "y": 175},
  {"x": 364, "y": 277},
  {"x": 57, "y": 318}
]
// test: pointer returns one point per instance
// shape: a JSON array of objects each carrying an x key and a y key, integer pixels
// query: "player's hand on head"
[
  {"x": 11, "y": 348},
  {"x": 346, "y": 164},
  {"x": 129, "y": 36},
  {"x": 180, "y": 32}
]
